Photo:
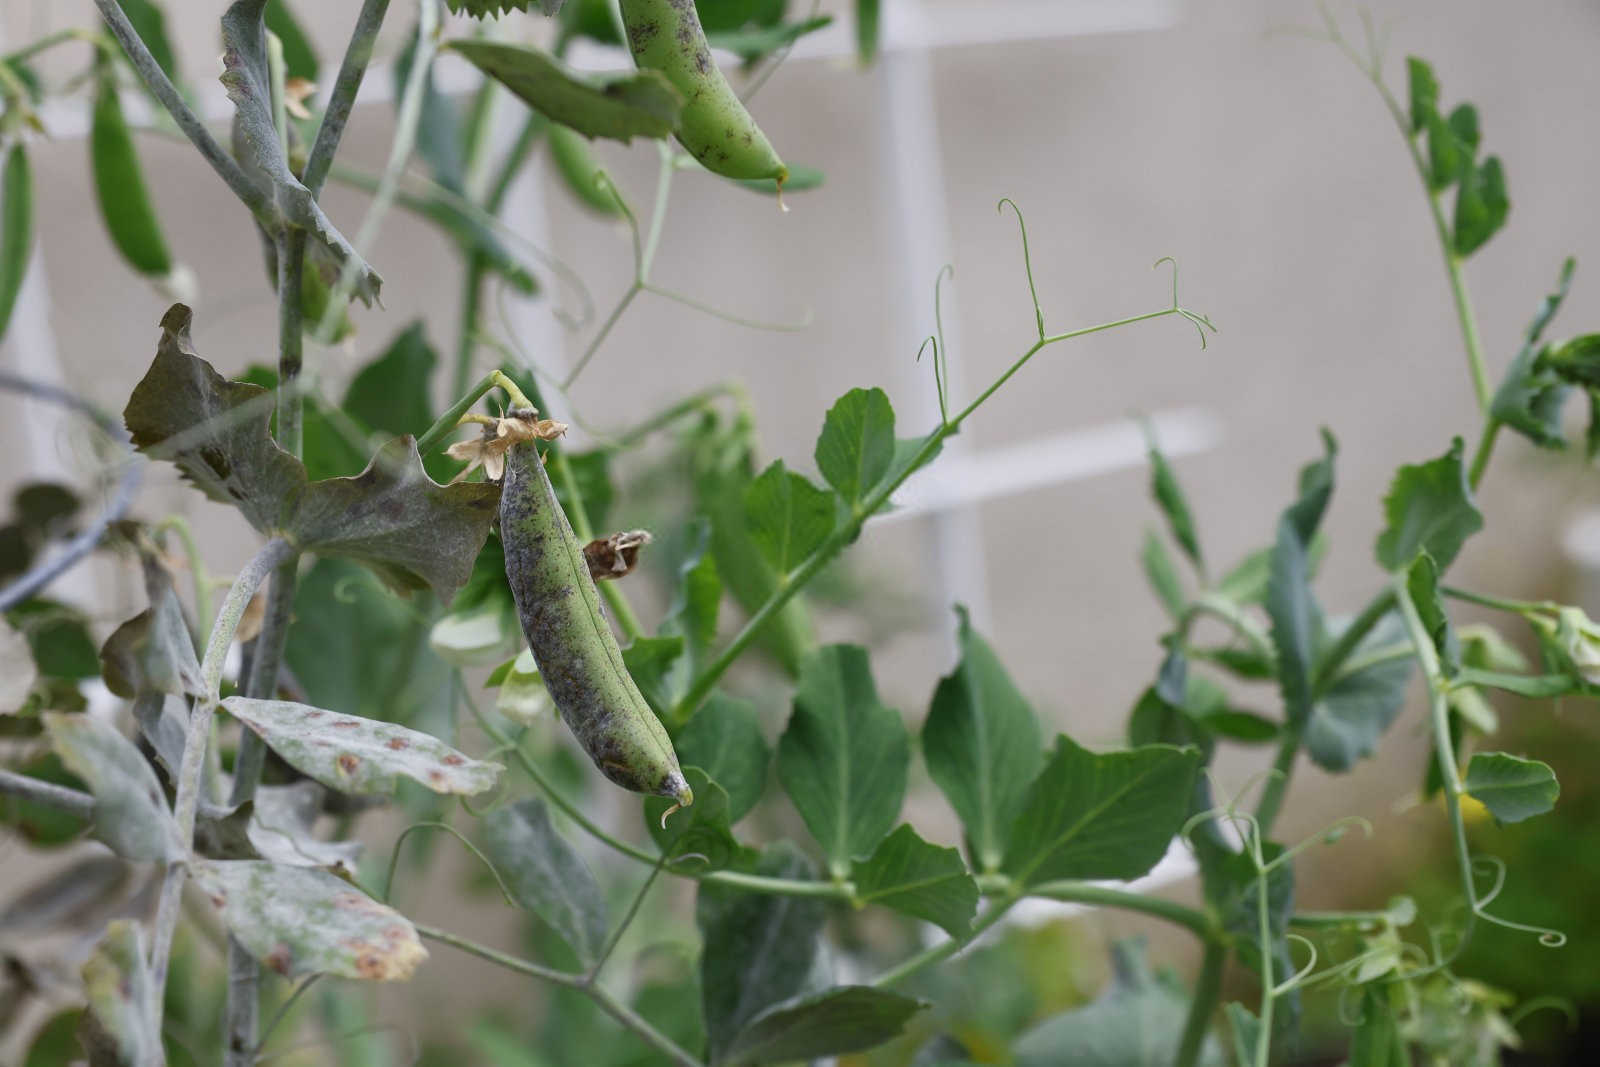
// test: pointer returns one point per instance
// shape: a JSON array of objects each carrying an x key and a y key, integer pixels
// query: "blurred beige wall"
[{"x": 1262, "y": 161}]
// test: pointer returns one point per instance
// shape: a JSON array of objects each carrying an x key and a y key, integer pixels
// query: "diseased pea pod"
[
  {"x": 572, "y": 643},
  {"x": 119, "y": 186},
  {"x": 16, "y": 228},
  {"x": 665, "y": 35}
]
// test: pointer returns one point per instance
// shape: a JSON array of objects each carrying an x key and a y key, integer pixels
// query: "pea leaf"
[
  {"x": 412, "y": 531},
  {"x": 1169, "y": 496},
  {"x": 18, "y": 673},
  {"x": 1530, "y": 397},
  {"x": 867, "y": 12},
  {"x": 150, "y": 23},
  {"x": 1245, "y": 1030},
  {"x": 912, "y": 876},
  {"x": 152, "y": 652},
  {"x": 787, "y": 516},
  {"x": 359, "y": 755},
  {"x": 1376, "y": 1041},
  {"x": 649, "y": 660},
  {"x": 1137, "y": 1022},
  {"x": 692, "y": 615},
  {"x": 214, "y": 430},
  {"x": 1512, "y": 788},
  {"x": 1100, "y": 816},
  {"x": 724, "y": 737},
  {"x": 1423, "y": 91},
  {"x": 298, "y": 921},
  {"x": 1429, "y": 508},
  {"x": 618, "y": 106},
  {"x": 856, "y": 445},
  {"x": 759, "y": 949},
  {"x": 260, "y": 152},
  {"x": 118, "y": 986},
  {"x": 701, "y": 830},
  {"x": 390, "y": 393},
  {"x": 16, "y": 228},
  {"x": 1162, "y": 574},
  {"x": 981, "y": 744},
  {"x": 547, "y": 875},
  {"x": 495, "y": 8},
  {"x": 130, "y": 810},
  {"x": 844, "y": 756},
  {"x": 1452, "y": 144},
  {"x": 1422, "y": 585},
  {"x": 1481, "y": 206},
  {"x": 282, "y": 829},
  {"x": 1359, "y": 706},
  {"x": 832, "y": 1023},
  {"x": 1290, "y": 603}
]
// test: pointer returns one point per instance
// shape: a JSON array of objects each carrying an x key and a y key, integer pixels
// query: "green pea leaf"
[
  {"x": 912, "y": 876},
  {"x": 832, "y": 1023},
  {"x": 1429, "y": 508},
  {"x": 1376, "y": 1041},
  {"x": 618, "y": 106},
  {"x": 479, "y": 9},
  {"x": 261, "y": 153},
  {"x": 1245, "y": 1030},
  {"x": 361, "y": 756},
  {"x": 546, "y": 875},
  {"x": 1530, "y": 396},
  {"x": 1481, "y": 206},
  {"x": 856, "y": 445},
  {"x": 390, "y": 393},
  {"x": 119, "y": 185},
  {"x": 1137, "y": 1022},
  {"x": 58, "y": 636},
  {"x": 1162, "y": 574},
  {"x": 1100, "y": 816},
  {"x": 130, "y": 810},
  {"x": 1512, "y": 788},
  {"x": 981, "y": 744},
  {"x": 724, "y": 737},
  {"x": 760, "y": 949},
  {"x": 1289, "y": 602},
  {"x": 752, "y": 43},
  {"x": 1169, "y": 496},
  {"x": 844, "y": 757},
  {"x": 1422, "y": 584},
  {"x": 699, "y": 833},
  {"x": 299, "y": 54},
  {"x": 787, "y": 516},
  {"x": 692, "y": 615},
  {"x": 649, "y": 660},
  {"x": 16, "y": 228},
  {"x": 1358, "y": 706},
  {"x": 118, "y": 985},
  {"x": 1452, "y": 145},
  {"x": 297, "y": 920},
  {"x": 1423, "y": 90}
]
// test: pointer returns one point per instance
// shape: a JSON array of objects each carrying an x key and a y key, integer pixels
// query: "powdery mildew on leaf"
[
  {"x": 300, "y": 921},
  {"x": 355, "y": 755}
]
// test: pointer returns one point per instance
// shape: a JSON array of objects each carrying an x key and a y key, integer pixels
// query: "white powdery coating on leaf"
[{"x": 356, "y": 755}]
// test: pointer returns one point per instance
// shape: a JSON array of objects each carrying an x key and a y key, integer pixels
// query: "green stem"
[
  {"x": 1191, "y": 919},
  {"x": 197, "y": 567},
  {"x": 446, "y": 423},
  {"x": 1202, "y": 1004},
  {"x": 291, "y": 339},
  {"x": 624, "y": 1015},
  {"x": 945, "y": 949},
  {"x": 844, "y": 534},
  {"x": 530, "y": 133},
  {"x": 1269, "y": 991},
  {"x": 265, "y": 666},
  {"x": 343, "y": 97},
  {"x": 1519, "y": 607},
  {"x": 48, "y": 793},
  {"x": 1480, "y": 458}
]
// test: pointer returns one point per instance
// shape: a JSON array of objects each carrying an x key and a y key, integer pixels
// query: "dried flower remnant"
[
  {"x": 615, "y": 556},
  {"x": 488, "y": 449}
]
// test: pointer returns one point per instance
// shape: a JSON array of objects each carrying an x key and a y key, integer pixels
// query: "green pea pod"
[
  {"x": 665, "y": 35},
  {"x": 16, "y": 228},
  {"x": 119, "y": 185},
  {"x": 577, "y": 167},
  {"x": 572, "y": 643}
]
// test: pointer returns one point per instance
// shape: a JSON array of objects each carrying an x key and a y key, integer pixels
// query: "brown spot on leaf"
[
  {"x": 279, "y": 959},
  {"x": 348, "y": 763},
  {"x": 453, "y": 760},
  {"x": 398, "y": 743},
  {"x": 347, "y": 724}
]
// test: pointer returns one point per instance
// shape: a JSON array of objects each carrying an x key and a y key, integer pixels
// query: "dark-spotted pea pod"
[
  {"x": 665, "y": 35},
  {"x": 571, "y": 641}
]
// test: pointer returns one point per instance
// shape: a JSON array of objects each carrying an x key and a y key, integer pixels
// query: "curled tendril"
[
  {"x": 1201, "y": 323},
  {"x": 1497, "y": 867},
  {"x": 941, "y": 351},
  {"x": 938, "y": 383},
  {"x": 807, "y": 317},
  {"x": 1294, "y": 980},
  {"x": 394, "y": 858},
  {"x": 1561, "y": 1004},
  {"x": 1347, "y": 1018},
  {"x": 1027, "y": 259},
  {"x": 1320, "y": 835}
]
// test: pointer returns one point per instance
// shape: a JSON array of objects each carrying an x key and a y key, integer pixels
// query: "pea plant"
[{"x": 397, "y": 568}]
